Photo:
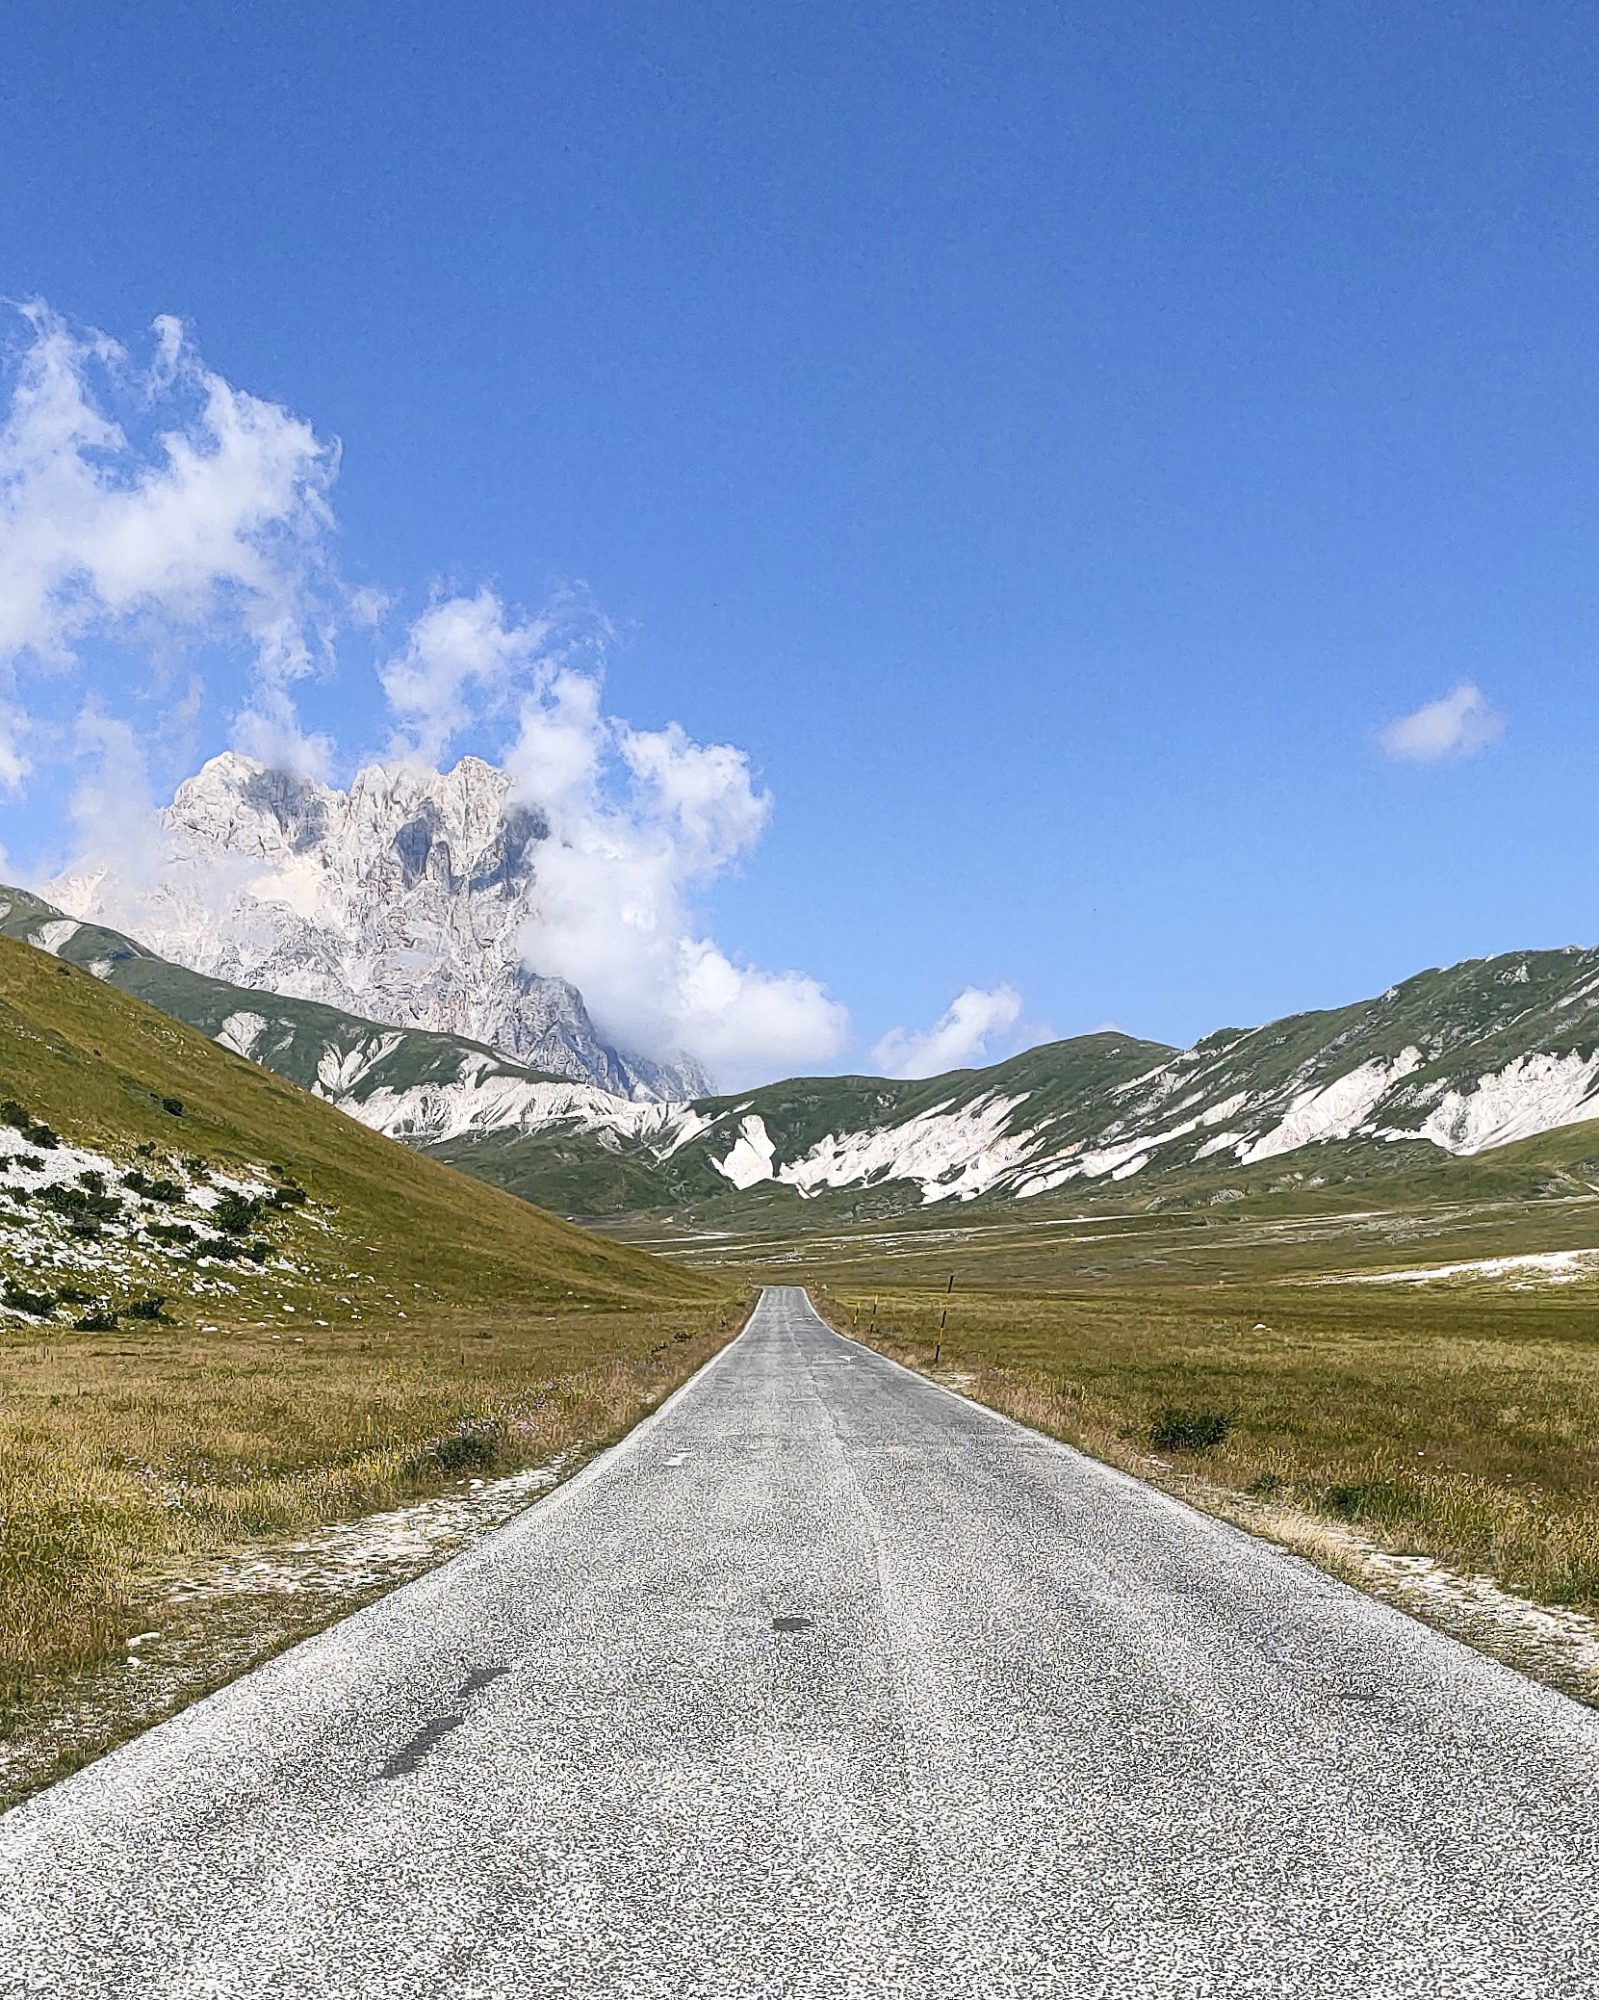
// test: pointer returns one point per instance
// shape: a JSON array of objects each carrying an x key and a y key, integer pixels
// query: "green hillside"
[
  {"x": 230, "y": 1317},
  {"x": 380, "y": 1224}
]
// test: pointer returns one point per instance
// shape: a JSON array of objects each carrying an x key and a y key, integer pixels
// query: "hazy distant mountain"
[{"x": 401, "y": 900}]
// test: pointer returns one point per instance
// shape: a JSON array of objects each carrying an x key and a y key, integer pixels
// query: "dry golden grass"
[{"x": 408, "y": 1327}]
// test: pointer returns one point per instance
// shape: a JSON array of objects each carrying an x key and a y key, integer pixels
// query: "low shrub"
[
  {"x": 153, "y": 1307},
  {"x": 100, "y": 1320},
  {"x": 172, "y": 1233},
  {"x": 1371, "y": 1500},
  {"x": 39, "y": 1305},
  {"x": 225, "y": 1249},
  {"x": 140, "y": 1183},
  {"x": 236, "y": 1214},
  {"x": 22, "y": 1120},
  {"x": 473, "y": 1446},
  {"x": 1174, "y": 1429},
  {"x": 80, "y": 1201}
]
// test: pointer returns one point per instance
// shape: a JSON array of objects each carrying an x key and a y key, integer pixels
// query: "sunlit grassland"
[
  {"x": 411, "y": 1328},
  {"x": 1457, "y": 1420}
]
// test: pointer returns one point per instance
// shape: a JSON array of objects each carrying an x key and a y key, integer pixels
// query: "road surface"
[{"x": 828, "y": 1682}]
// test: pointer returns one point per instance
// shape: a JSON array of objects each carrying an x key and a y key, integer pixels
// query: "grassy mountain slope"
[
  {"x": 114, "y": 1077},
  {"x": 1452, "y": 1063},
  {"x": 934, "y": 1126}
]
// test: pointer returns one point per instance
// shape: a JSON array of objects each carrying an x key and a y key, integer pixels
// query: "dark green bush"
[
  {"x": 171, "y": 1232},
  {"x": 22, "y": 1120},
  {"x": 153, "y": 1307},
  {"x": 1174, "y": 1429},
  {"x": 100, "y": 1320},
  {"x": 140, "y": 1183},
  {"x": 475, "y": 1445},
  {"x": 236, "y": 1215},
  {"x": 80, "y": 1201},
  {"x": 225, "y": 1249},
  {"x": 1376, "y": 1500},
  {"x": 39, "y": 1304}
]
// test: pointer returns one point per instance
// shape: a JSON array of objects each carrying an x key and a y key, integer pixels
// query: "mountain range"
[{"x": 1451, "y": 1063}]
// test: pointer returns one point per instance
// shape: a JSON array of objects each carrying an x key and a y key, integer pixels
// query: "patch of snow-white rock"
[
  {"x": 39, "y": 1238},
  {"x": 485, "y": 1100},
  {"x": 1337, "y": 1110},
  {"x": 1536, "y": 1093},
  {"x": 749, "y": 1159}
]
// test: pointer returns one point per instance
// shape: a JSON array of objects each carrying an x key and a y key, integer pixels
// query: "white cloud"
[
  {"x": 641, "y": 821},
  {"x": 460, "y": 659},
  {"x": 14, "y": 764},
  {"x": 1458, "y": 725},
  {"x": 962, "y": 1036},
  {"x": 206, "y": 520}
]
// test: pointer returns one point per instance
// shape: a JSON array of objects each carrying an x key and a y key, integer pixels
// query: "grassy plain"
[{"x": 122, "y": 1456}]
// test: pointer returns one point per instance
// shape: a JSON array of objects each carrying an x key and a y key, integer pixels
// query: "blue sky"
[{"x": 1052, "y": 444}]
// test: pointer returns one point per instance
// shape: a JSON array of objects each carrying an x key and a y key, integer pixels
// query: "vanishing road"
[{"x": 827, "y": 1682}]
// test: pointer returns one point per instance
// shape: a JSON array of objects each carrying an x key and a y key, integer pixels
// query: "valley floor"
[{"x": 828, "y": 1682}]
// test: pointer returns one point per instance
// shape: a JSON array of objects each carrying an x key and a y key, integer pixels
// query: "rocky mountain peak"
[{"x": 403, "y": 898}]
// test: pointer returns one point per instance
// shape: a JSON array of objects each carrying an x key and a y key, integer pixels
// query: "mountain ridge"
[{"x": 1454, "y": 1061}]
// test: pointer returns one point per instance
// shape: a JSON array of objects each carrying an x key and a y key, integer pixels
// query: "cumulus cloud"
[
  {"x": 641, "y": 823},
  {"x": 1460, "y": 724},
  {"x": 14, "y": 763},
  {"x": 965, "y": 1034},
  {"x": 158, "y": 506},
  {"x": 460, "y": 660}
]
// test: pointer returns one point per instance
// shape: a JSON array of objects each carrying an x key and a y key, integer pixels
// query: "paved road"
[{"x": 827, "y": 1682}]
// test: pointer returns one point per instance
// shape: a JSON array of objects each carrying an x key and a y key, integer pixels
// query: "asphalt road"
[{"x": 828, "y": 1682}]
